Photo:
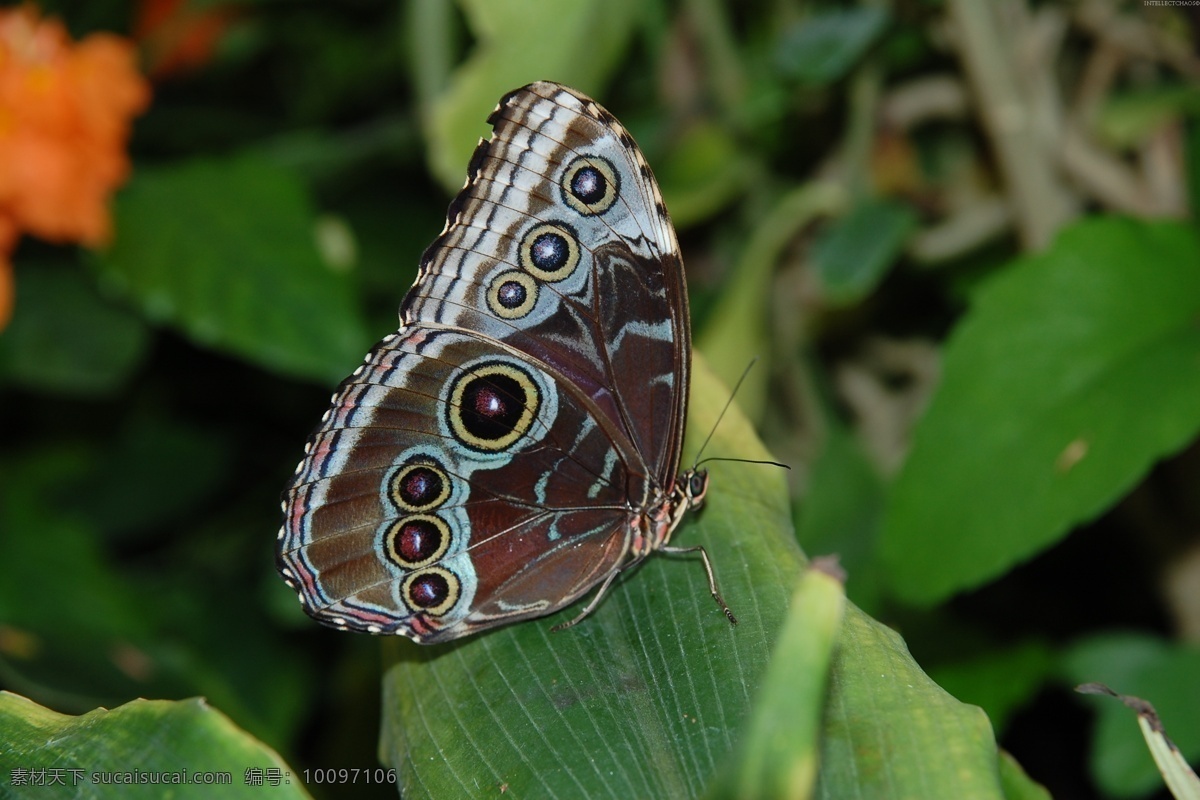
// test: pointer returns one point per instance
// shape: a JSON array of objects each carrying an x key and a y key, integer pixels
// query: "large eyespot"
[
  {"x": 590, "y": 185},
  {"x": 417, "y": 541},
  {"x": 433, "y": 590},
  {"x": 549, "y": 251},
  {"x": 512, "y": 294},
  {"x": 419, "y": 487},
  {"x": 492, "y": 405}
]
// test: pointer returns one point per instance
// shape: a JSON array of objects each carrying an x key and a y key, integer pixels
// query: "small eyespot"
[
  {"x": 419, "y": 487},
  {"x": 417, "y": 541},
  {"x": 549, "y": 252},
  {"x": 433, "y": 590},
  {"x": 590, "y": 185},
  {"x": 512, "y": 294}
]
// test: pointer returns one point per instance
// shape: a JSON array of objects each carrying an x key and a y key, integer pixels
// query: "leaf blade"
[
  {"x": 1082, "y": 362},
  {"x": 223, "y": 250},
  {"x": 158, "y": 738},
  {"x": 890, "y": 731}
]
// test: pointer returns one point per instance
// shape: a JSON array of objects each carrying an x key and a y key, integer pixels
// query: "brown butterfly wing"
[
  {"x": 613, "y": 316},
  {"x": 489, "y": 460}
]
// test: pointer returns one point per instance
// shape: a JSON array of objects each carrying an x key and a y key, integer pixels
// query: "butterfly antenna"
[
  {"x": 742, "y": 461},
  {"x": 721, "y": 416}
]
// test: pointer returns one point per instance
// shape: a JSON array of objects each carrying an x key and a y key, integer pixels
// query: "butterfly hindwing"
[{"x": 404, "y": 480}]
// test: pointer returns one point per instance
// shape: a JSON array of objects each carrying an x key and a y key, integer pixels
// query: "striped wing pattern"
[{"x": 515, "y": 441}]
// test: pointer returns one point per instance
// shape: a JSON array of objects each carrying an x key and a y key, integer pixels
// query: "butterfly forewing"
[
  {"x": 611, "y": 312},
  {"x": 494, "y": 458}
]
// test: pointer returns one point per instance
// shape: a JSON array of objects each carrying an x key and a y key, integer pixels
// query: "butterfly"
[{"x": 516, "y": 443}]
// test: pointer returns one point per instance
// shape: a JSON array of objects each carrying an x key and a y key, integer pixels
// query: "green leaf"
[
  {"x": 658, "y": 691},
  {"x": 1161, "y": 672},
  {"x": 1017, "y": 785},
  {"x": 190, "y": 747},
  {"x": 779, "y": 750},
  {"x": 842, "y": 510},
  {"x": 642, "y": 699},
  {"x": 154, "y": 471},
  {"x": 735, "y": 331},
  {"x": 1191, "y": 150},
  {"x": 892, "y": 732},
  {"x": 999, "y": 680},
  {"x": 1073, "y": 372},
  {"x": 64, "y": 338},
  {"x": 223, "y": 249},
  {"x": 1178, "y": 775},
  {"x": 517, "y": 42},
  {"x": 702, "y": 172},
  {"x": 855, "y": 251},
  {"x": 40, "y": 541},
  {"x": 108, "y": 627},
  {"x": 825, "y": 45},
  {"x": 1127, "y": 119}
]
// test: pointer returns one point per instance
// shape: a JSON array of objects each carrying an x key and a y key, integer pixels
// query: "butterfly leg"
[
  {"x": 591, "y": 606},
  {"x": 712, "y": 580}
]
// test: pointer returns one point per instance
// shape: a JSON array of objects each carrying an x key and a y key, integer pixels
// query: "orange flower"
[
  {"x": 177, "y": 36},
  {"x": 65, "y": 110}
]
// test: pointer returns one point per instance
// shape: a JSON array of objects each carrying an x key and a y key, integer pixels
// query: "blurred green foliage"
[{"x": 996, "y": 434}]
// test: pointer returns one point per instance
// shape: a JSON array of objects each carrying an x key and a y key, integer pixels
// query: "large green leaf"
[
  {"x": 642, "y": 699},
  {"x": 882, "y": 728},
  {"x": 64, "y": 338},
  {"x": 518, "y": 42},
  {"x": 656, "y": 696},
  {"x": 892, "y": 732},
  {"x": 224, "y": 250},
  {"x": 143, "y": 749},
  {"x": 1073, "y": 372}
]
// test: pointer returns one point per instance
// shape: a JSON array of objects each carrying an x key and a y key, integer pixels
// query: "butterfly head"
[{"x": 695, "y": 486}]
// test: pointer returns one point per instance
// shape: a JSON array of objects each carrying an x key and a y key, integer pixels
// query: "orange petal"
[
  {"x": 8, "y": 241},
  {"x": 65, "y": 113}
]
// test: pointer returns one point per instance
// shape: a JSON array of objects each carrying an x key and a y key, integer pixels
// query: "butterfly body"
[{"x": 517, "y": 441}]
